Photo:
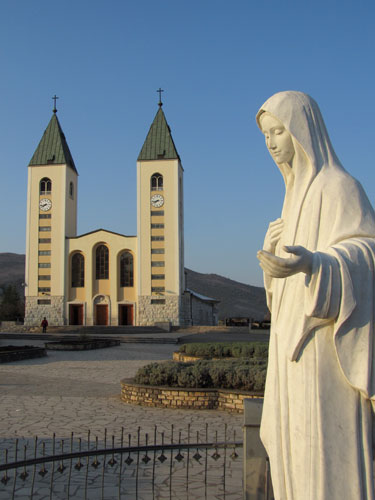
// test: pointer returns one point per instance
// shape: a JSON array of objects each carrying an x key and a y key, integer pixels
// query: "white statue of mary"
[{"x": 318, "y": 262}]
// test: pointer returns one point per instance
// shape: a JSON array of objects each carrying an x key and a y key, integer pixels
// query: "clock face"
[
  {"x": 45, "y": 204},
  {"x": 157, "y": 200}
]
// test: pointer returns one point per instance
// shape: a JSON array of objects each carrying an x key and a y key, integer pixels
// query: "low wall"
[
  {"x": 7, "y": 324},
  {"x": 181, "y": 356},
  {"x": 81, "y": 345},
  {"x": 18, "y": 353},
  {"x": 194, "y": 399}
]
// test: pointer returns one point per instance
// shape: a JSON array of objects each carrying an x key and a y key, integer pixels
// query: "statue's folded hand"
[
  {"x": 278, "y": 267},
  {"x": 273, "y": 234}
]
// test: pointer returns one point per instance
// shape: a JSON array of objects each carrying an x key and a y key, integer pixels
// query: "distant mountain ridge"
[
  {"x": 236, "y": 299},
  {"x": 12, "y": 270}
]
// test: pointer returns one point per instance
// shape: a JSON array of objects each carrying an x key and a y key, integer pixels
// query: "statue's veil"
[{"x": 301, "y": 117}]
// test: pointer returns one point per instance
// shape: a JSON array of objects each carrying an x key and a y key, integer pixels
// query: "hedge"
[
  {"x": 246, "y": 374},
  {"x": 258, "y": 350}
]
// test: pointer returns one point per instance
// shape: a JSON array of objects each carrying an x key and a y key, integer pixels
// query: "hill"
[
  {"x": 12, "y": 271},
  {"x": 236, "y": 299}
]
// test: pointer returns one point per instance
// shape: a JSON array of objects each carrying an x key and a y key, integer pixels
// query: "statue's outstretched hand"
[
  {"x": 277, "y": 267},
  {"x": 273, "y": 235}
]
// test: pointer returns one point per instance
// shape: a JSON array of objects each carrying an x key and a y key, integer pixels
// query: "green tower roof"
[
  {"x": 53, "y": 148},
  {"x": 159, "y": 143}
]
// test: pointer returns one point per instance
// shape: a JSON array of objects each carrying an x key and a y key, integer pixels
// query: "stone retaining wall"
[
  {"x": 10, "y": 324},
  {"x": 81, "y": 345},
  {"x": 180, "y": 356},
  {"x": 21, "y": 353},
  {"x": 231, "y": 400},
  {"x": 194, "y": 399}
]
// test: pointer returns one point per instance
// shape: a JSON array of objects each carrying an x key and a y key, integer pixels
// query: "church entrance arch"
[
  {"x": 75, "y": 314},
  {"x": 101, "y": 310},
  {"x": 125, "y": 314}
]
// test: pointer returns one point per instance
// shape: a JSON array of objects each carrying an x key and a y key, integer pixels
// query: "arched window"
[
  {"x": 45, "y": 186},
  {"x": 78, "y": 270},
  {"x": 71, "y": 190},
  {"x": 126, "y": 269},
  {"x": 102, "y": 262},
  {"x": 156, "y": 182}
]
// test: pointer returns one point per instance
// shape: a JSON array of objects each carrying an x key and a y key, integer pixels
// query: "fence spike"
[
  {"x": 96, "y": 462},
  {"x": 79, "y": 464},
  {"x": 179, "y": 455},
  {"x": 24, "y": 474},
  {"x": 129, "y": 459},
  {"x": 162, "y": 458},
  {"x": 43, "y": 470},
  {"x": 146, "y": 458},
  {"x": 5, "y": 477},
  {"x": 112, "y": 462}
]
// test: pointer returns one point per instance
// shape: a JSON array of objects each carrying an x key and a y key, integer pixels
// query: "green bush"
[
  {"x": 246, "y": 374},
  {"x": 209, "y": 350}
]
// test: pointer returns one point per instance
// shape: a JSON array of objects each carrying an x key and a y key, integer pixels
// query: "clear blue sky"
[{"x": 218, "y": 61}]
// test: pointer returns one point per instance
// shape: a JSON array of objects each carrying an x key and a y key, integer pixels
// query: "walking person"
[{"x": 44, "y": 324}]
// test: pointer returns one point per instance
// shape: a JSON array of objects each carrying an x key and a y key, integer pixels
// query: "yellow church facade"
[{"x": 102, "y": 277}]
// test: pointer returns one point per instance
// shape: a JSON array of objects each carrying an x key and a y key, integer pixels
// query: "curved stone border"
[
  {"x": 18, "y": 353},
  {"x": 180, "y": 356},
  {"x": 180, "y": 398},
  {"x": 80, "y": 345}
]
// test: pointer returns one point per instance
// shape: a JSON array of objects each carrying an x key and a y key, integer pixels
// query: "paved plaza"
[
  {"x": 78, "y": 391},
  {"x": 75, "y": 391}
]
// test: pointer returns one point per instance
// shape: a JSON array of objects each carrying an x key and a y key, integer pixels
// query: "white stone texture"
[
  {"x": 316, "y": 423},
  {"x": 54, "y": 312},
  {"x": 149, "y": 313}
]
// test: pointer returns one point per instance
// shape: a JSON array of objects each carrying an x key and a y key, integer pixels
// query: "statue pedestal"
[{"x": 257, "y": 477}]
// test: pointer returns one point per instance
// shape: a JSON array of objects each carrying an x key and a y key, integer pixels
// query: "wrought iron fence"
[{"x": 183, "y": 464}]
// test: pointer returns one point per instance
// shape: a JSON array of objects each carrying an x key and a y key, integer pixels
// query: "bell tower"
[
  {"x": 51, "y": 218},
  {"x": 160, "y": 226}
]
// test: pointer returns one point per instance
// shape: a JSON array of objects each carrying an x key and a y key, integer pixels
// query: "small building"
[
  {"x": 201, "y": 310},
  {"x": 102, "y": 277}
]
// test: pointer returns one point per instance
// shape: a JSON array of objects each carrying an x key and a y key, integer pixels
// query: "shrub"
[
  {"x": 246, "y": 374},
  {"x": 209, "y": 350},
  {"x": 159, "y": 373},
  {"x": 218, "y": 375},
  {"x": 261, "y": 350}
]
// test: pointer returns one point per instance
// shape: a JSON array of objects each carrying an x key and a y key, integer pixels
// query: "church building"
[{"x": 102, "y": 277}]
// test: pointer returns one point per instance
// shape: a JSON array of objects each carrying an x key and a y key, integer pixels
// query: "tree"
[{"x": 11, "y": 307}]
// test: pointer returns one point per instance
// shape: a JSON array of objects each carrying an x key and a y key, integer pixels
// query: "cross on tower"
[
  {"x": 54, "y": 98},
  {"x": 160, "y": 91}
]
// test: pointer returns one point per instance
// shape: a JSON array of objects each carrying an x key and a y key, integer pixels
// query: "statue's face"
[{"x": 278, "y": 139}]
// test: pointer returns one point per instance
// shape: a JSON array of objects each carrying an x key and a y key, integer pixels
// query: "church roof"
[
  {"x": 159, "y": 143},
  {"x": 53, "y": 148},
  {"x": 97, "y": 231},
  {"x": 201, "y": 297}
]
